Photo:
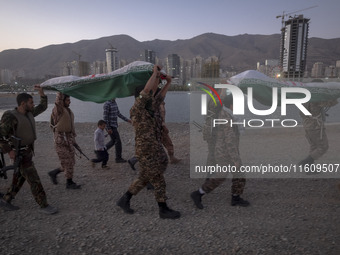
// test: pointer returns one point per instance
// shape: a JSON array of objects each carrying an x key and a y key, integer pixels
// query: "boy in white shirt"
[{"x": 99, "y": 145}]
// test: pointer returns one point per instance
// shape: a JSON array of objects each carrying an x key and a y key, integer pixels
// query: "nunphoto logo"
[
  {"x": 239, "y": 102},
  {"x": 261, "y": 121}
]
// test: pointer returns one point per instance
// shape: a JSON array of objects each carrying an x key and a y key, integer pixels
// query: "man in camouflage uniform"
[
  {"x": 148, "y": 146},
  {"x": 226, "y": 152},
  {"x": 20, "y": 123},
  {"x": 166, "y": 141},
  {"x": 62, "y": 123},
  {"x": 209, "y": 133},
  {"x": 315, "y": 129}
]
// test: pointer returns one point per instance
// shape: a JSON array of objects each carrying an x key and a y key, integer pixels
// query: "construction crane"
[
  {"x": 110, "y": 45},
  {"x": 79, "y": 56},
  {"x": 112, "y": 48},
  {"x": 287, "y": 14}
]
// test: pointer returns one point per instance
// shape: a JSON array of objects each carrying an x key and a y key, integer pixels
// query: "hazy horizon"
[{"x": 40, "y": 23}]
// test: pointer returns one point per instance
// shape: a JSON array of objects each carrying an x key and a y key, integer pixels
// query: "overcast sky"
[{"x": 38, "y": 23}]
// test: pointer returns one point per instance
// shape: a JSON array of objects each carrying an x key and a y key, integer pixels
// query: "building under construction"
[
  {"x": 112, "y": 59},
  {"x": 293, "y": 51}
]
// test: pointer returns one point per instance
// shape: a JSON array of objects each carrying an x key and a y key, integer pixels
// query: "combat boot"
[
  {"x": 237, "y": 200},
  {"x": 132, "y": 162},
  {"x": 120, "y": 160},
  {"x": 166, "y": 213},
  {"x": 174, "y": 160},
  {"x": 7, "y": 206},
  {"x": 307, "y": 161},
  {"x": 196, "y": 196},
  {"x": 53, "y": 174},
  {"x": 72, "y": 185},
  {"x": 49, "y": 209},
  {"x": 124, "y": 203}
]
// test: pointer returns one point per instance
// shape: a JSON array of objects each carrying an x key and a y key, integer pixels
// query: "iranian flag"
[{"x": 102, "y": 87}]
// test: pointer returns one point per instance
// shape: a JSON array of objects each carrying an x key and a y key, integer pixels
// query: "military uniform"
[
  {"x": 226, "y": 152},
  {"x": 64, "y": 135},
  {"x": 209, "y": 133},
  {"x": 314, "y": 127},
  {"x": 166, "y": 140},
  {"x": 147, "y": 122},
  {"x": 23, "y": 126}
]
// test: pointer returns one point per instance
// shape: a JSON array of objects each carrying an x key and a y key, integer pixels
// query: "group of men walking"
[
  {"x": 20, "y": 123},
  {"x": 151, "y": 136}
]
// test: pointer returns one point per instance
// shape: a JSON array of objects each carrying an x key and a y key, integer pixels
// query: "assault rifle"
[
  {"x": 199, "y": 126},
  {"x": 76, "y": 146},
  {"x": 16, "y": 163}
]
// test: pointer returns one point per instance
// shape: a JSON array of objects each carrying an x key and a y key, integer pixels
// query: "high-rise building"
[
  {"x": 150, "y": 56},
  {"x": 337, "y": 67},
  {"x": 330, "y": 72},
  {"x": 174, "y": 65},
  {"x": 211, "y": 68},
  {"x": 98, "y": 67},
  {"x": 77, "y": 68},
  {"x": 5, "y": 76},
  {"x": 197, "y": 66},
  {"x": 318, "y": 70},
  {"x": 337, "y": 64},
  {"x": 270, "y": 68},
  {"x": 293, "y": 52},
  {"x": 112, "y": 60}
]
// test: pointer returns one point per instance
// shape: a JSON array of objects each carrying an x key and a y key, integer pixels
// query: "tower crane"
[
  {"x": 112, "y": 48},
  {"x": 79, "y": 56},
  {"x": 286, "y": 14}
]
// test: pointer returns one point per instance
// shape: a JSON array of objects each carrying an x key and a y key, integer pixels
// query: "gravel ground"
[{"x": 286, "y": 216}]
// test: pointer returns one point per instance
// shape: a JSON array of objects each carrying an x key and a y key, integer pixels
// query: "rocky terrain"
[{"x": 286, "y": 216}]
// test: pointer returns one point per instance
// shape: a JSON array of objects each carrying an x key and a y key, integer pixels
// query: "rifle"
[
  {"x": 196, "y": 124},
  {"x": 16, "y": 163},
  {"x": 76, "y": 146}
]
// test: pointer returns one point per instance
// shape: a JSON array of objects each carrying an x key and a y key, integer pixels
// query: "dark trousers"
[
  {"x": 27, "y": 172},
  {"x": 102, "y": 156},
  {"x": 115, "y": 140}
]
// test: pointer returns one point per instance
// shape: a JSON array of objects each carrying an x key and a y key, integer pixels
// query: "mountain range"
[{"x": 238, "y": 53}]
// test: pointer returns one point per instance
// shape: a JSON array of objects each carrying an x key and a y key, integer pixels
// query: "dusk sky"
[{"x": 38, "y": 23}]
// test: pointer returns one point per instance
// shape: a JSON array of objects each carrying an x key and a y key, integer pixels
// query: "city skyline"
[{"x": 41, "y": 23}]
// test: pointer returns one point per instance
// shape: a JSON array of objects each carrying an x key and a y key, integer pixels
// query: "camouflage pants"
[
  {"x": 166, "y": 141},
  {"x": 211, "y": 151},
  {"x": 237, "y": 185},
  {"x": 151, "y": 170},
  {"x": 65, "y": 150},
  {"x": 318, "y": 144},
  {"x": 27, "y": 172}
]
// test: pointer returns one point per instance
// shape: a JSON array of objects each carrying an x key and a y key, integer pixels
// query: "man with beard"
[
  {"x": 21, "y": 124},
  {"x": 62, "y": 124},
  {"x": 148, "y": 146},
  {"x": 225, "y": 152}
]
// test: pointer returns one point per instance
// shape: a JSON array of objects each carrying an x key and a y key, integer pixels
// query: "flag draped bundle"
[
  {"x": 262, "y": 87},
  {"x": 102, "y": 87}
]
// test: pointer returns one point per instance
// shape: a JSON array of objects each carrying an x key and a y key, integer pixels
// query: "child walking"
[{"x": 99, "y": 144}]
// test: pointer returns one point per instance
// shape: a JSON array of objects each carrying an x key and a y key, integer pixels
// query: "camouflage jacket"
[
  {"x": 318, "y": 111},
  {"x": 58, "y": 111},
  {"x": 227, "y": 141},
  {"x": 146, "y": 120},
  {"x": 207, "y": 130},
  {"x": 9, "y": 124}
]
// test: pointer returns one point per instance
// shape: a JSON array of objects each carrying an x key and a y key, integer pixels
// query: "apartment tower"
[
  {"x": 112, "y": 60},
  {"x": 293, "y": 51}
]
